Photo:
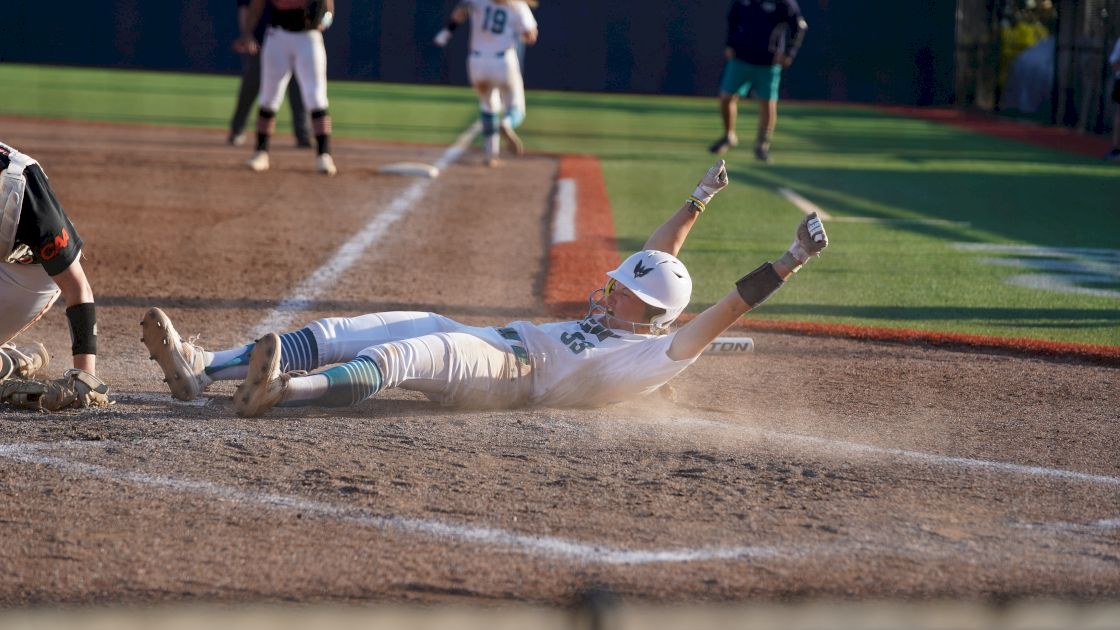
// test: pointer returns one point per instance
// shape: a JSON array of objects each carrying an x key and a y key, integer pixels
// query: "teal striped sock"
[{"x": 351, "y": 382}]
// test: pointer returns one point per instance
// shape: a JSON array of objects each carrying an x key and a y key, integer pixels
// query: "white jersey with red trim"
[
  {"x": 497, "y": 26},
  {"x": 585, "y": 364}
]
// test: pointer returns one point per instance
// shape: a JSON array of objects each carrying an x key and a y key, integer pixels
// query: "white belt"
[{"x": 12, "y": 186}]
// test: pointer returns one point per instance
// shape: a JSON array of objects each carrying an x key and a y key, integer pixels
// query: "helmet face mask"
[{"x": 658, "y": 279}]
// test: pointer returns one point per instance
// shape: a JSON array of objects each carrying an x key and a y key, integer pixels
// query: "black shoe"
[
  {"x": 719, "y": 147},
  {"x": 1112, "y": 155},
  {"x": 303, "y": 143},
  {"x": 763, "y": 154}
]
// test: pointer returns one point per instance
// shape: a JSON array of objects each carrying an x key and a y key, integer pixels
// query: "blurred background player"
[
  {"x": 623, "y": 347},
  {"x": 41, "y": 260},
  {"x": 251, "y": 84},
  {"x": 1114, "y": 60},
  {"x": 293, "y": 44},
  {"x": 497, "y": 29},
  {"x": 763, "y": 37}
]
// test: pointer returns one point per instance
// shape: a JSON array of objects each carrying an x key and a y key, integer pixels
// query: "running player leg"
[
  {"x": 311, "y": 72},
  {"x": 275, "y": 74}
]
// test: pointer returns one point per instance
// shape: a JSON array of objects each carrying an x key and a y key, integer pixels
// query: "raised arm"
[
  {"x": 458, "y": 15},
  {"x": 750, "y": 291},
  {"x": 671, "y": 235}
]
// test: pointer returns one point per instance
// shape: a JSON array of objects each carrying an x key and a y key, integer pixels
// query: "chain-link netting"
[{"x": 1042, "y": 59}]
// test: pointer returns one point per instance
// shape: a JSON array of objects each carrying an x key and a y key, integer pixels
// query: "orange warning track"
[{"x": 576, "y": 267}]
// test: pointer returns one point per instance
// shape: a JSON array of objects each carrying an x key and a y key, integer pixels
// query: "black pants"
[{"x": 250, "y": 90}]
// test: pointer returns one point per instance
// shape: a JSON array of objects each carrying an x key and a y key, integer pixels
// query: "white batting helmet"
[{"x": 658, "y": 279}]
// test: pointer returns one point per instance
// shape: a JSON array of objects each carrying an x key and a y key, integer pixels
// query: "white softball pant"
[
  {"x": 497, "y": 78},
  {"x": 26, "y": 293},
  {"x": 302, "y": 52},
  {"x": 447, "y": 361}
]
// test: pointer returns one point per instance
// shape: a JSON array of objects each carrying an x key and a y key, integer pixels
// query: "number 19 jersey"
[{"x": 496, "y": 26}]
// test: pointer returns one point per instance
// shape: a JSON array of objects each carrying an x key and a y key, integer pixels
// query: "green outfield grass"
[{"x": 876, "y": 174}]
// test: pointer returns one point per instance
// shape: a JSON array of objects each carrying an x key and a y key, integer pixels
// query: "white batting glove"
[
  {"x": 714, "y": 181},
  {"x": 442, "y": 38},
  {"x": 809, "y": 240}
]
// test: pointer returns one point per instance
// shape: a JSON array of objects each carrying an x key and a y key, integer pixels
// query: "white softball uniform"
[
  {"x": 564, "y": 364},
  {"x": 285, "y": 51},
  {"x": 496, "y": 29}
]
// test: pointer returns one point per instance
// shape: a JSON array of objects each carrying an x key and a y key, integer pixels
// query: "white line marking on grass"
[
  {"x": 564, "y": 221},
  {"x": 808, "y": 207},
  {"x": 803, "y": 204},
  {"x": 933, "y": 458},
  {"x": 528, "y": 543},
  {"x": 323, "y": 279}
]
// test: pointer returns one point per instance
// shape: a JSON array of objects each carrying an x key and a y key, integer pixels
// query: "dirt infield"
[{"x": 812, "y": 467}]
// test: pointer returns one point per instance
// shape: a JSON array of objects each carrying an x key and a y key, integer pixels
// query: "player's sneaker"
[
  {"x": 719, "y": 147},
  {"x": 513, "y": 142},
  {"x": 28, "y": 361},
  {"x": 762, "y": 153},
  {"x": 264, "y": 385},
  {"x": 303, "y": 143},
  {"x": 1112, "y": 156},
  {"x": 181, "y": 361},
  {"x": 259, "y": 161},
  {"x": 237, "y": 139},
  {"x": 324, "y": 164}
]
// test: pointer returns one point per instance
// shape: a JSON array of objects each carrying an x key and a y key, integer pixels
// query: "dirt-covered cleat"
[
  {"x": 264, "y": 385},
  {"x": 324, "y": 164},
  {"x": 721, "y": 146},
  {"x": 513, "y": 141},
  {"x": 259, "y": 162},
  {"x": 28, "y": 361},
  {"x": 181, "y": 361}
]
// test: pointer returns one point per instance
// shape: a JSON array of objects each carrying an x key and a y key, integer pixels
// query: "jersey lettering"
[
  {"x": 53, "y": 247},
  {"x": 494, "y": 20}
]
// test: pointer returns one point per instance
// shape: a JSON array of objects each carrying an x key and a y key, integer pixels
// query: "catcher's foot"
[
  {"x": 264, "y": 386},
  {"x": 28, "y": 361},
  {"x": 259, "y": 162},
  {"x": 513, "y": 142},
  {"x": 182, "y": 362}
]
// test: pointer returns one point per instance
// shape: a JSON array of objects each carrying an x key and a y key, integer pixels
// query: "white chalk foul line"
[
  {"x": 943, "y": 460},
  {"x": 323, "y": 279},
  {"x": 809, "y": 207},
  {"x": 544, "y": 545}
]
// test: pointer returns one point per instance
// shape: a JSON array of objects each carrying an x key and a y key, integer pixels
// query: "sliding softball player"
[{"x": 622, "y": 348}]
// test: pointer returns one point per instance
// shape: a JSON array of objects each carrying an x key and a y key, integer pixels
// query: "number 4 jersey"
[
  {"x": 496, "y": 26},
  {"x": 585, "y": 364}
]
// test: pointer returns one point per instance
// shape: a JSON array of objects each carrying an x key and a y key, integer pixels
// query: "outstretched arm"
[
  {"x": 458, "y": 16},
  {"x": 750, "y": 291},
  {"x": 75, "y": 289},
  {"x": 671, "y": 235}
]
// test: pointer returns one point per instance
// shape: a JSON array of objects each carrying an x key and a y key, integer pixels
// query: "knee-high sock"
[
  {"x": 298, "y": 351},
  {"x": 321, "y": 124},
  {"x": 266, "y": 125},
  {"x": 346, "y": 384}
]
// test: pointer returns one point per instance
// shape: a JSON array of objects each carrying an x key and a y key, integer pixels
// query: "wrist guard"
[
  {"x": 83, "y": 328},
  {"x": 758, "y": 285}
]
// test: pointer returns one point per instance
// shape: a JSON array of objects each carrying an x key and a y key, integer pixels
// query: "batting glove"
[
  {"x": 714, "y": 181},
  {"x": 809, "y": 240},
  {"x": 442, "y": 38}
]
